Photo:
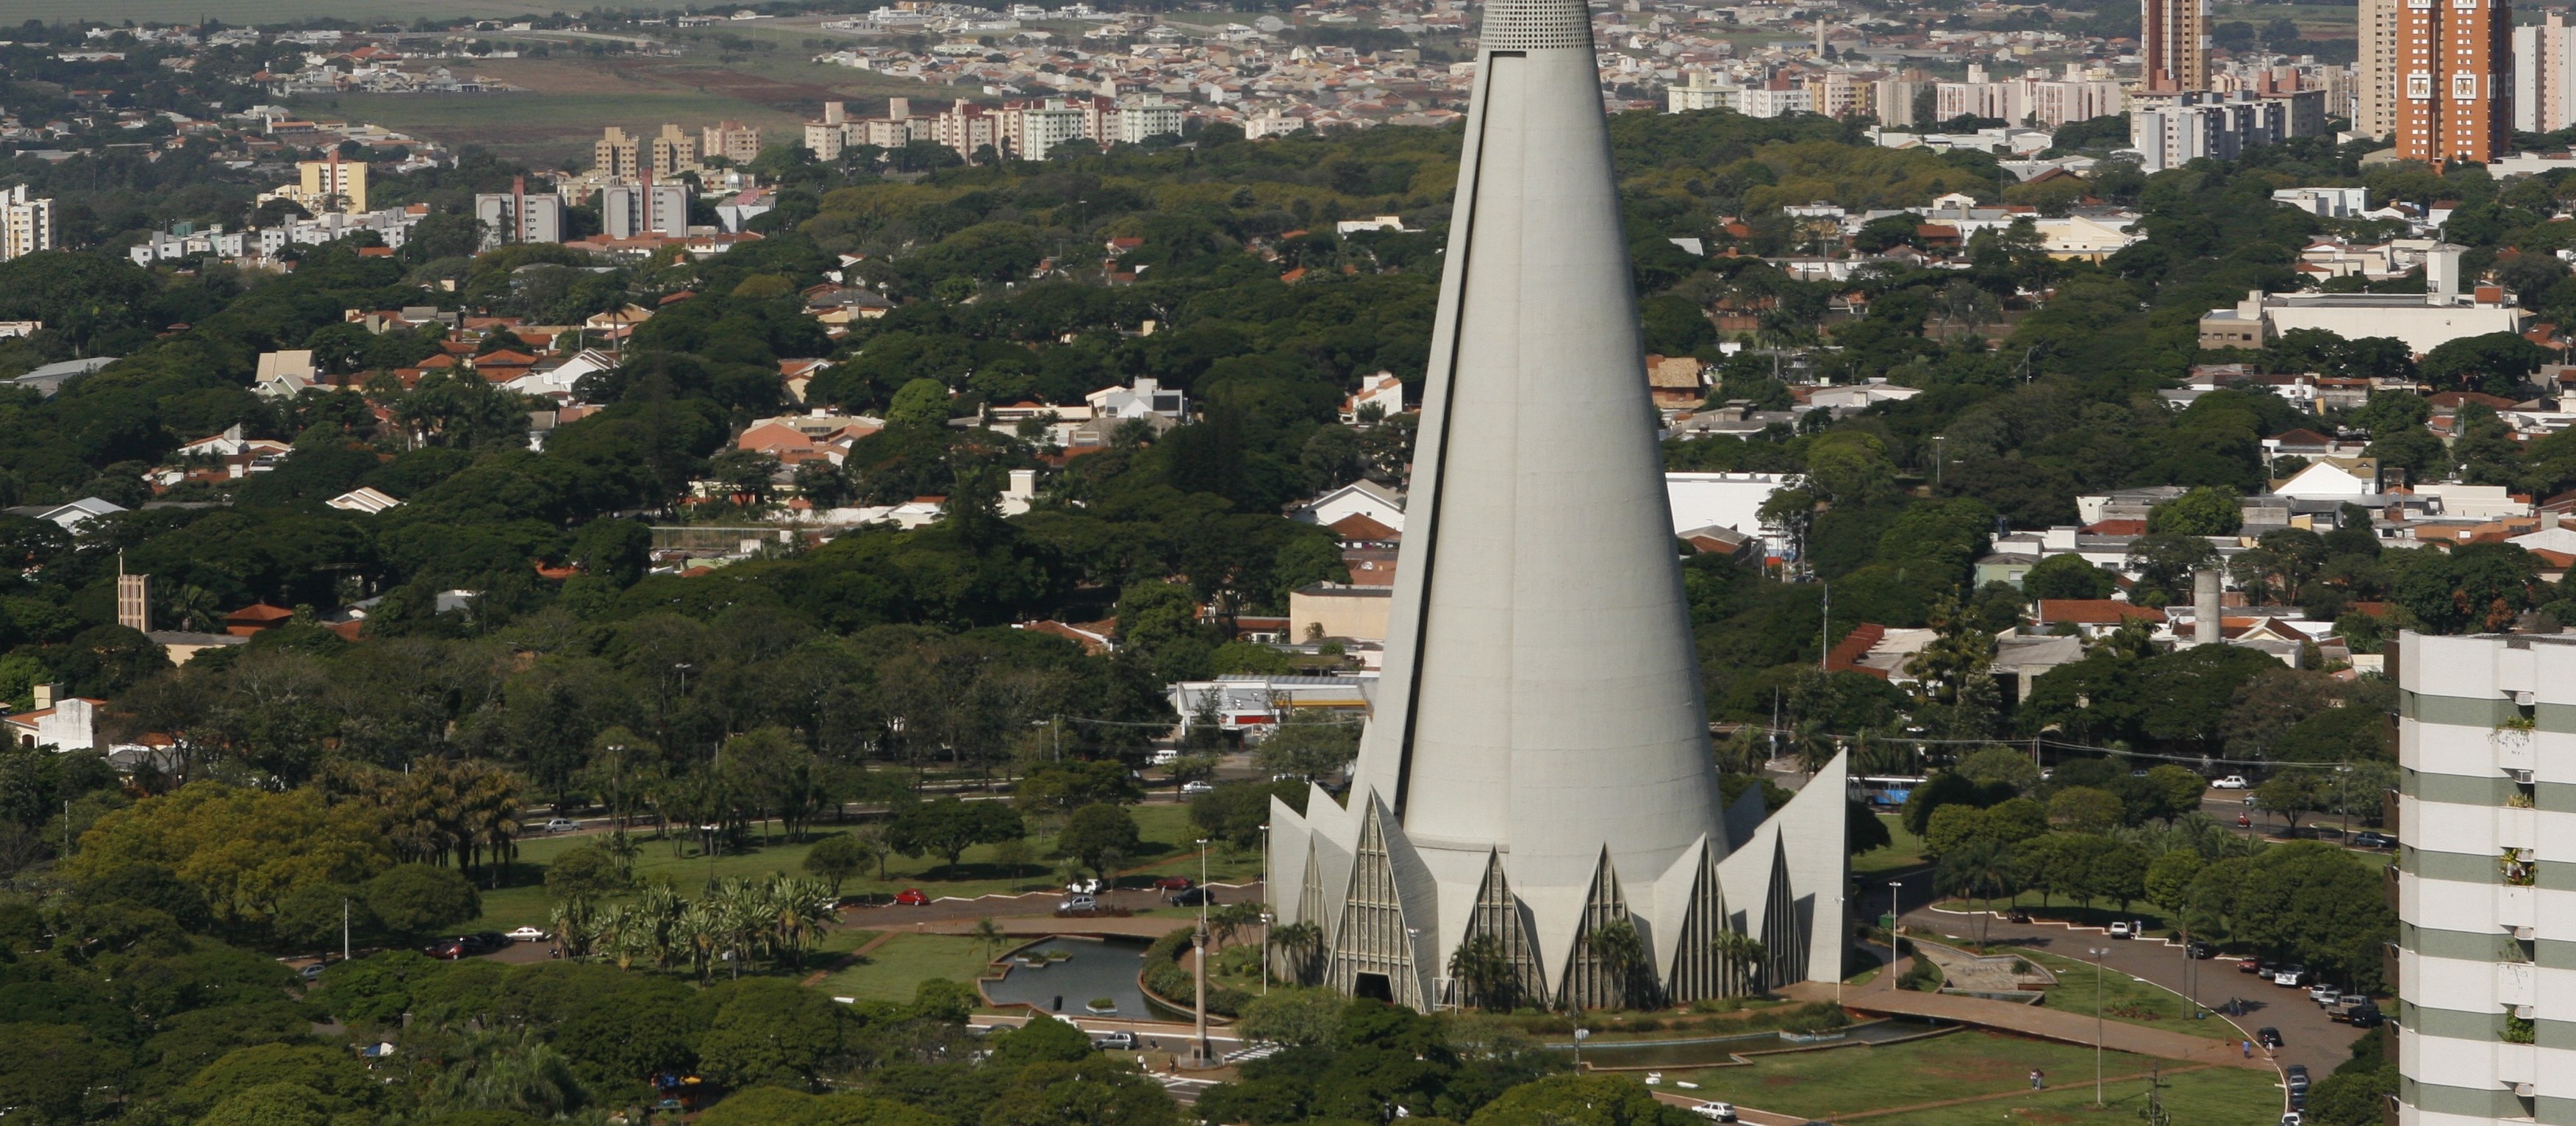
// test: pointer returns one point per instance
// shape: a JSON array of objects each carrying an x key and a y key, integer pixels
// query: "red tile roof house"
[{"x": 2092, "y": 617}]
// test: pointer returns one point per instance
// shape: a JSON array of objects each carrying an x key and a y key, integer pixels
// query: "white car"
[
  {"x": 2120, "y": 930},
  {"x": 2232, "y": 782},
  {"x": 1074, "y": 903},
  {"x": 1197, "y": 788},
  {"x": 560, "y": 825},
  {"x": 1083, "y": 887},
  {"x": 528, "y": 934},
  {"x": 1715, "y": 1112}
]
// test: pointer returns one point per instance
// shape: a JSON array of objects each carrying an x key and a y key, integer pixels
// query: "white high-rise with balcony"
[{"x": 2486, "y": 879}]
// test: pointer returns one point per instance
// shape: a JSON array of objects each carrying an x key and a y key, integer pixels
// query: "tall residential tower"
[
  {"x": 2374, "y": 95},
  {"x": 2174, "y": 45},
  {"x": 2485, "y": 884},
  {"x": 2455, "y": 94},
  {"x": 1535, "y": 817}
]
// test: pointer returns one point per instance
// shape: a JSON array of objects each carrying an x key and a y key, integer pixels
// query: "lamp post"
[
  {"x": 1265, "y": 911},
  {"x": 1892, "y": 885},
  {"x": 1580, "y": 1035},
  {"x": 1198, "y": 945},
  {"x": 2097, "y": 953}
]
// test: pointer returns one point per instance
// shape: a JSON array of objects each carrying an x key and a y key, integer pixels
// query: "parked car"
[
  {"x": 1119, "y": 1041},
  {"x": 1074, "y": 903},
  {"x": 2324, "y": 994},
  {"x": 1715, "y": 1112},
  {"x": 1174, "y": 883},
  {"x": 485, "y": 942},
  {"x": 2293, "y": 1119},
  {"x": 2297, "y": 1076},
  {"x": 2120, "y": 929},
  {"x": 560, "y": 825},
  {"x": 2232, "y": 782},
  {"x": 2290, "y": 976},
  {"x": 911, "y": 897},
  {"x": 1190, "y": 897},
  {"x": 2257, "y": 966},
  {"x": 2017, "y": 915},
  {"x": 445, "y": 949},
  {"x": 314, "y": 972},
  {"x": 2268, "y": 1036},
  {"x": 2373, "y": 839},
  {"x": 1083, "y": 887},
  {"x": 1197, "y": 788},
  {"x": 2359, "y": 1014},
  {"x": 528, "y": 934},
  {"x": 2199, "y": 949}
]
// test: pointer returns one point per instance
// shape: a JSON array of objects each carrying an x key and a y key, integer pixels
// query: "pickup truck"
[{"x": 2359, "y": 1012}]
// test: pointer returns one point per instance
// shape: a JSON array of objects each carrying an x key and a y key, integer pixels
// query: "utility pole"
[
  {"x": 344, "y": 928},
  {"x": 1825, "y": 626}
]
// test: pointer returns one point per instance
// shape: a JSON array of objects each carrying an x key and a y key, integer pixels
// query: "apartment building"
[
  {"x": 633, "y": 210},
  {"x": 26, "y": 223},
  {"x": 731, "y": 140},
  {"x": 615, "y": 155},
  {"x": 2456, "y": 99},
  {"x": 2374, "y": 94},
  {"x": 674, "y": 151},
  {"x": 2174, "y": 45},
  {"x": 2544, "y": 75},
  {"x": 517, "y": 216},
  {"x": 2486, "y": 881}
]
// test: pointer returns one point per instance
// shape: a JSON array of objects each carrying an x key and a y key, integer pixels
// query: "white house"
[
  {"x": 1722, "y": 500},
  {"x": 69, "y": 516},
  {"x": 68, "y": 724},
  {"x": 1146, "y": 397},
  {"x": 1359, "y": 498},
  {"x": 283, "y": 375},
  {"x": 1383, "y": 391},
  {"x": 2325, "y": 480},
  {"x": 363, "y": 499}
]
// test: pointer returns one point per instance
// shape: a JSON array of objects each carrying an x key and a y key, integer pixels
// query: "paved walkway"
[{"x": 2031, "y": 1020}]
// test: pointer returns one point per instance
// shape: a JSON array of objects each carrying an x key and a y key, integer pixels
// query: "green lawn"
[
  {"x": 1965, "y": 1065},
  {"x": 2219, "y": 1096},
  {"x": 1904, "y": 851},
  {"x": 1167, "y": 850},
  {"x": 892, "y": 971},
  {"x": 2124, "y": 998},
  {"x": 2059, "y": 908}
]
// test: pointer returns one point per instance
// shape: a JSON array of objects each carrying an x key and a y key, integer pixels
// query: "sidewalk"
[{"x": 2026, "y": 1020}]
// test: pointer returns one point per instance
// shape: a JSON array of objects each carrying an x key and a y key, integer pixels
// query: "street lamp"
[
  {"x": 1580, "y": 1035},
  {"x": 2097, "y": 953},
  {"x": 1198, "y": 944},
  {"x": 1892, "y": 885},
  {"x": 1265, "y": 912}
]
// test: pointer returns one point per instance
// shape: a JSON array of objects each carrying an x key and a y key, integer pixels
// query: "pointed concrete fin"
[
  {"x": 1498, "y": 915},
  {"x": 1784, "y": 936},
  {"x": 1745, "y": 816}
]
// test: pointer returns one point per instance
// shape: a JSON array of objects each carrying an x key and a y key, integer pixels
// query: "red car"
[
  {"x": 1173, "y": 883},
  {"x": 911, "y": 897}
]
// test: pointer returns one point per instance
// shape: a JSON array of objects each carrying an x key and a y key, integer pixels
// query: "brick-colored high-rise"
[
  {"x": 2455, "y": 72},
  {"x": 2174, "y": 45}
]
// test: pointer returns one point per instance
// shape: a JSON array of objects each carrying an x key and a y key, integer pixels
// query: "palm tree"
[
  {"x": 1300, "y": 945},
  {"x": 1979, "y": 868},
  {"x": 987, "y": 935},
  {"x": 1484, "y": 973},
  {"x": 1621, "y": 955},
  {"x": 193, "y": 608},
  {"x": 1233, "y": 917},
  {"x": 1741, "y": 955}
]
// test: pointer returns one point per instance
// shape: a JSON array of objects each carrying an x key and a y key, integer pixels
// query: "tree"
[
  {"x": 1293, "y": 1017},
  {"x": 587, "y": 873},
  {"x": 1577, "y": 1100},
  {"x": 920, "y": 405},
  {"x": 422, "y": 899},
  {"x": 2168, "y": 884},
  {"x": 1309, "y": 747},
  {"x": 2165, "y": 562},
  {"x": 1980, "y": 868},
  {"x": 1095, "y": 831},
  {"x": 2498, "y": 363},
  {"x": 768, "y": 1030},
  {"x": 836, "y": 858},
  {"x": 2084, "y": 809},
  {"x": 2288, "y": 794},
  {"x": 2000, "y": 764},
  {"x": 2067, "y": 576},
  {"x": 947, "y": 827},
  {"x": 2206, "y": 511},
  {"x": 246, "y": 850}
]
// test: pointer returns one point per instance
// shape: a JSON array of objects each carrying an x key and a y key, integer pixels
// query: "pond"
[
  {"x": 1099, "y": 967},
  {"x": 1714, "y": 1051}
]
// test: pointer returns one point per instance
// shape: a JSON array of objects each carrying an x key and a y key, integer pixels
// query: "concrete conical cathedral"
[{"x": 1536, "y": 786}]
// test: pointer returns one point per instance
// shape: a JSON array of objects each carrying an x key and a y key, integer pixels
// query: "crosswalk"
[{"x": 1262, "y": 1050}]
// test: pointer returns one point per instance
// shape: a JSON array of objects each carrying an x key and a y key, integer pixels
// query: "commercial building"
[
  {"x": 2486, "y": 903},
  {"x": 26, "y": 223},
  {"x": 2455, "y": 94},
  {"x": 2174, "y": 45},
  {"x": 2374, "y": 94},
  {"x": 633, "y": 210},
  {"x": 517, "y": 216},
  {"x": 2424, "y": 321},
  {"x": 1534, "y": 789},
  {"x": 2544, "y": 75}
]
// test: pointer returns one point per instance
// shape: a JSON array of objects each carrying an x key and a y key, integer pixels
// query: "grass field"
[
  {"x": 2124, "y": 998},
  {"x": 892, "y": 971},
  {"x": 1166, "y": 850},
  {"x": 1846, "y": 1083},
  {"x": 1904, "y": 851}
]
